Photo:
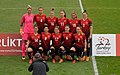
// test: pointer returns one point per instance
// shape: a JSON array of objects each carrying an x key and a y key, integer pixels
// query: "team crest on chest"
[
  {"x": 66, "y": 38},
  {"x": 45, "y": 38},
  {"x": 36, "y": 40},
  {"x": 78, "y": 39},
  {"x": 74, "y": 25},
  {"x": 52, "y": 23}
]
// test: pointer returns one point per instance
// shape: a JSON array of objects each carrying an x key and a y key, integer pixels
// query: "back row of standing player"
[{"x": 40, "y": 19}]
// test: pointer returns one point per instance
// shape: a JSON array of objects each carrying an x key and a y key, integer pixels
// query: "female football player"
[
  {"x": 40, "y": 19},
  {"x": 79, "y": 45},
  {"x": 74, "y": 22},
  {"x": 45, "y": 41},
  {"x": 87, "y": 28},
  {"x": 52, "y": 21},
  {"x": 33, "y": 43},
  {"x": 56, "y": 43},
  {"x": 62, "y": 21},
  {"x": 26, "y": 28},
  {"x": 67, "y": 38}
]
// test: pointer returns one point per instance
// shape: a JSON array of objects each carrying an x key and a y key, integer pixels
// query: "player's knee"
[
  {"x": 40, "y": 49},
  {"x": 72, "y": 49},
  {"x": 30, "y": 49},
  {"x": 62, "y": 48}
]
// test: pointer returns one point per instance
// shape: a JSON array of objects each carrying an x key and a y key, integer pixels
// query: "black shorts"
[
  {"x": 79, "y": 51},
  {"x": 56, "y": 50},
  {"x": 67, "y": 49},
  {"x": 34, "y": 48},
  {"x": 45, "y": 51}
]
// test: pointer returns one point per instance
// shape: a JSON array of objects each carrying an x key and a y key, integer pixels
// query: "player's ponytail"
[
  {"x": 85, "y": 11},
  {"x": 52, "y": 9}
]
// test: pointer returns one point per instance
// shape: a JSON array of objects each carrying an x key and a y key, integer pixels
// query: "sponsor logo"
[{"x": 103, "y": 44}]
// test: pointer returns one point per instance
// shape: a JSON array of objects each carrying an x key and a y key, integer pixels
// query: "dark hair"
[
  {"x": 52, "y": 9},
  {"x": 40, "y": 7},
  {"x": 63, "y": 11},
  {"x": 56, "y": 27},
  {"x": 79, "y": 27},
  {"x": 85, "y": 11},
  {"x": 45, "y": 25},
  {"x": 67, "y": 26}
]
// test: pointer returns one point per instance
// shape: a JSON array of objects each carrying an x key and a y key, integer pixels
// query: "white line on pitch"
[{"x": 93, "y": 58}]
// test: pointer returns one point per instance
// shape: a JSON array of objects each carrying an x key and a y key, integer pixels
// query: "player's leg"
[
  {"x": 72, "y": 54},
  {"x": 56, "y": 54},
  {"x": 30, "y": 50},
  {"x": 23, "y": 49},
  {"x": 79, "y": 52},
  {"x": 61, "y": 51},
  {"x": 88, "y": 50},
  {"x": 24, "y": 40},
  {"x": 68, "y": 57},
  {"x": 45, "y": 54},
  {"x": 52, "y": 53},
  {"x": 87, "y": 53}
]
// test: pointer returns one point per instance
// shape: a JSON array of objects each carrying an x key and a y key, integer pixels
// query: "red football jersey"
[
  {"x": 56, "y": 40},
  {"x": 73, "y": 25},
  {"x": 40, "y": 20},
  {"x": 45, "y": 39},
  {"x": 85, "y": 24},
  {"x": 34, "y": 39},
  {"x": 67, "y": 39},
  {"x": 62, "y": 22},
  {"x": 52, "y": 22},
  {"x": 79, "y": 40}
]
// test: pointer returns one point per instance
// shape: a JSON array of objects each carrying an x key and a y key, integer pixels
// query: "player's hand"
[
  {"x": 90, "y": 37},
  {"x": 21, "y": 32},
  {"x": 84, "y": 49}
]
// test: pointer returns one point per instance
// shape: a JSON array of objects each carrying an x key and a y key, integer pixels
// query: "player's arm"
[
  {"x": 21, "y": 24},
  {"x": 62, "y": 40},
  {"x": 73, "y": 41},
  {"x": 91, "y": 29},
  {"x": 51, "y": 42},
  {"x": 85, "y": 45}
]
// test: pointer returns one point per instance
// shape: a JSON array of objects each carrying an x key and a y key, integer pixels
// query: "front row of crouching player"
[{"x": 57, "y": 44}]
